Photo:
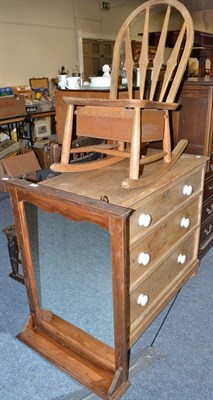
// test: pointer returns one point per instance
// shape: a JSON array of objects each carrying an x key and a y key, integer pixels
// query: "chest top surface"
[{"x": 107, "y": 182}]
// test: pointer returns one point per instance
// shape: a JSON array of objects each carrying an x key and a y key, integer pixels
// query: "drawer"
[
  {"x": 207, "y": 210},
  {"x": 147, "y": 293},
  {"x": 208, "y": 188},
  {"x": 146, "y": 215},
  {"x": 206, "y": 231},
  {"x": 161, "y": 241},
  {"x": 211, "y": 163}
]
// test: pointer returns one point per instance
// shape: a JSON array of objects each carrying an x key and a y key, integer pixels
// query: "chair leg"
[
  {"x": 121, "y": 146},
  {"x": 67, "y": 139},
  {"x": 135, "y": 146},
  {"x": 167, "y": 140},
  {"x": 55, "y": 153},
  {"x": 142, "y": 182}
]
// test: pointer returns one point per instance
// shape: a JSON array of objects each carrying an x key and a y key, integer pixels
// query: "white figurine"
[{"x": 106, "y": 70}]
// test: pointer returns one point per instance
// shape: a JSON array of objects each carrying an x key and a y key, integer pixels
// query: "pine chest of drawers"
[{"x": 154, "y": 243}]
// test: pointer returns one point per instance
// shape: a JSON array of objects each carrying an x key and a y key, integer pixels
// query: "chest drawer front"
[
  {"x": 161, "y": 241},
  {"x": 208, "y": 188},
  {"x": 206, "y": 232},
  {"x": 207, "y": 210},
  {"x": 211, "y": 162},
  {"x": 148, "y": 214},
  {"x": 156, "y": 283}
]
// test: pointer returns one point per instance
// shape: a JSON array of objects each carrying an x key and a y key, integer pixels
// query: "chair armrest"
[{"x": 126, "y": 103}]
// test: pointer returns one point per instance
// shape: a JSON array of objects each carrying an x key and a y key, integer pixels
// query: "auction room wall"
[{"x": 37, "y": 37}]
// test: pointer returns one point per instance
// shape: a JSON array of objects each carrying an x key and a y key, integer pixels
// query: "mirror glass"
[{"x": 72, "y": 264}]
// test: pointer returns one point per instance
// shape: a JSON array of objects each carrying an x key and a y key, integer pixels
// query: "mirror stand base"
[{"x": 83, "y": 357}]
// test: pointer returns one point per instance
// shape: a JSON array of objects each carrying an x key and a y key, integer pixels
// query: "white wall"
[{"x": 37, "y": 37}]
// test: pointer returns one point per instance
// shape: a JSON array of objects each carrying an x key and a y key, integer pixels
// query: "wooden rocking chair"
[{"x": 127, "y": 124}]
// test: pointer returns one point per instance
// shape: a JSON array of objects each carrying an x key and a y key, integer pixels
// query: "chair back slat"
[
  {"x": 113, "y": 94},
  {"x": 129, "y": 63},
  {"x": 181, "y": 66},
  {"x": 144, "y": 56},
  {"x": 172, "y": 63},
  {"x": 159, "y": 55},
  {"x": 166, "y": 76}
]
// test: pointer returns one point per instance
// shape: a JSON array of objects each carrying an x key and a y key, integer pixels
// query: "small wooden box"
[
  {"x": 37, "y": 83},
  {"x": 11, "y": 107},
  {"x": 24, "y": 91}
]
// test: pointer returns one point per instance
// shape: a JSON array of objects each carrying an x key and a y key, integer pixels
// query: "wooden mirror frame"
[{"x": 101, "y": 368}]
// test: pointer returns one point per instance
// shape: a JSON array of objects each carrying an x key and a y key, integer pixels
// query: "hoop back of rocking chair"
[{"x": 143, "y": 117}]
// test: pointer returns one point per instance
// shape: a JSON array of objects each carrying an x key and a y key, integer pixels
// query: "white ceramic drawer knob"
[
  {"x": 144, "y": 220},
  {"x": 143, "y": 300},
  {"x": 181, "y": 258},
  {"x": 144, "y": 258},
  {"x": 185, "y": 222},
  {"x": 187, "y": 190}
]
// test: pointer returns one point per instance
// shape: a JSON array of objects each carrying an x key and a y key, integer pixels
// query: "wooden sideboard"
[
  {"x": 202, "y": 47},
  {"x": 154, "y": 250},
  {"x": 194, "y": 121}
]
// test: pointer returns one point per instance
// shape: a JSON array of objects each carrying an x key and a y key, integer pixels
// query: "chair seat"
[{"x": 115, "y": 123}]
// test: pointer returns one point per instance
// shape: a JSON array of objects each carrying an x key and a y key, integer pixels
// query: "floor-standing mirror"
[
  {"x": 75, "y": 256},
  {"x": 73, "y": 270}
]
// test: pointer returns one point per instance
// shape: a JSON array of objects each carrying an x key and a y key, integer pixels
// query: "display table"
[
  {"x": 154, "y": 237},
  {"x": 19, "y": 122}
]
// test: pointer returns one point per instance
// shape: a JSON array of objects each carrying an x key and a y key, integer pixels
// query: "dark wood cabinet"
[
  {"x": 202, "y": 48},
  {"x": 194, "y": 121},
  {"x": 206, "y": 233}
]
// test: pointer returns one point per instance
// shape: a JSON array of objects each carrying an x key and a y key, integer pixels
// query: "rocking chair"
[{"x": 128, "y": 125}]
